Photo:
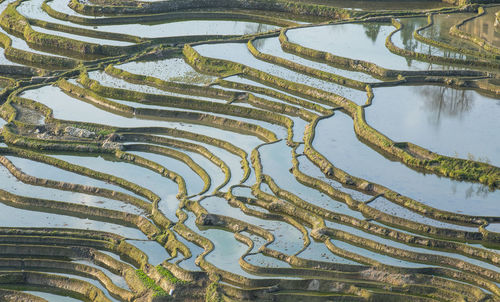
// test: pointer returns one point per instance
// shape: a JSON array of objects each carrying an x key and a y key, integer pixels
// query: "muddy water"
[{"x": 27, "y": 115}]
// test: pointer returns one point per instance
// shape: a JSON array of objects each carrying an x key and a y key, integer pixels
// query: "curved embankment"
[
  {"x": 267, "y": 217},
  {"x": 486, "y": 45},
  {"x": 411, "y": 155}
]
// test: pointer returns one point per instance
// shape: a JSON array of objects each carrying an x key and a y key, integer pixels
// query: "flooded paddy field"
[{"x": 227, "y": 150}]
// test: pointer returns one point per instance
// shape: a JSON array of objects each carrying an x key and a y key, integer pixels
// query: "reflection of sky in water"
[
  {"x": 42, "y": 170},
  {"x": 447, "y": 121},
  {"x": 16, "y": 42},
  {"x": 51, "y": 297},
  {"x": 335, "y": 138},
  {"x": 405, "y": 40},
  {"x": 13, "y": 217},
  {"x": 11, "y": 184},
  {"x": 81, "y": 38},
  {"x": 440, "y": 31},
  {"x": 227, "y": 250},
  {"x": 65, "y": 106},
  {"x": 444, "y": 120},
  {"x": 92, "y": 281},
  {"x": 381, "y": 4},
  {"x": 189, "y": 28},
  {"x": 356, "y": 41},
  {"x": 32, "y": 9},
  {"x": 116, "y": 279},
  {"x": 143, "y": 177},
  {"x": 443, "y": 102},
  {"x": 62, "y": 6},
  {"x": 107, "y": 80},
  {"x": 281, "y": 230},
  {"x": 272, "y": 46},
  {"x": 156, "y": 252},
  {"x": 171, "y": 69},
  {"x": 277, "y": 166},
  {"x": 194, "y": 183},
  {"x": 484, "y": 27},
  {"x": 403, "y": 246},
  {"x": 238, "y": 52},
  {"x": 391, "y": 208}
]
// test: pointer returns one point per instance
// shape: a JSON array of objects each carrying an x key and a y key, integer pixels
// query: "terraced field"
[{"x": 227, "y": 150}]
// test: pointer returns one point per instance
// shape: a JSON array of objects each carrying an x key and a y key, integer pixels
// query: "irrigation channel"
[{"x": 263, "y": 150}]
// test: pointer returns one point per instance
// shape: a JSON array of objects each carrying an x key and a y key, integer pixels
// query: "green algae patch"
[
  {"x": 213, "y": 293},
  {"x": 169, "y": 276},
  {"x": 460, "y": 171},
  {"x": 151, "y": 284},
  {"x": 445, "y": 269}
]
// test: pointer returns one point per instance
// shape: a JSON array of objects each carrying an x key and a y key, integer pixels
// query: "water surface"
[
  {"x": 335, "y": 138},
  {"x": 364, "y": 41},
  {"x": 448, "y": 121}
]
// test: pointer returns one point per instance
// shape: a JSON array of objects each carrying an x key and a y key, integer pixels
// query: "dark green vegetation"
[{"x": 229, "y": 150}]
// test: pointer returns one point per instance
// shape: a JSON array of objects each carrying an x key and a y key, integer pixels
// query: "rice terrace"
[{"x": 250, "y": 150}]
